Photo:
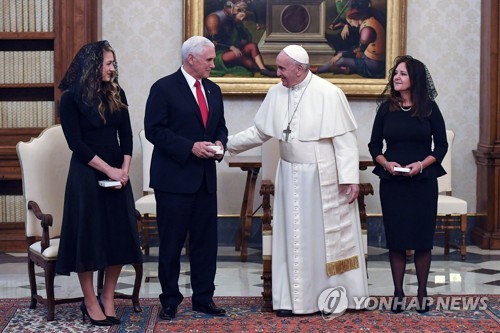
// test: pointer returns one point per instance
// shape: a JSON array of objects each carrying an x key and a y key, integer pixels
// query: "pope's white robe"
[{"x": 311, "y": 218}]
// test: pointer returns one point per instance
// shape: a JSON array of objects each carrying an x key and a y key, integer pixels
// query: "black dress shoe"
[
  {"x": 423, "y": 304},
  {"x": 168, "y": 313},
  {"x": 210, "y": 308},
  {"x": 112, "y": 319},
  {"x": 424, "y": 309},
  {"x": 284, "y": 313}
]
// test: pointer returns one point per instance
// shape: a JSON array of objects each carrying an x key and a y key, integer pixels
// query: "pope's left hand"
[{"x": 351, "y": 190}]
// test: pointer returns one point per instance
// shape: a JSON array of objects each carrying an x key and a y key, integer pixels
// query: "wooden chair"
[
  {"x": 44, "y": 167},
  {"x": 452, "y": 211},
  {"x": 146, "y": 205}
]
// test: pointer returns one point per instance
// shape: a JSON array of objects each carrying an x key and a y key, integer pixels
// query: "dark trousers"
[{"x": 176, "y": 215}]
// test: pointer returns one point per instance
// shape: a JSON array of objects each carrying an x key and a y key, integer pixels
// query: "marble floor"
[{"x": 478, "y": 274}]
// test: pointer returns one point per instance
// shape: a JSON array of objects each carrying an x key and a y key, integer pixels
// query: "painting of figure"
[
  {"x": 236, "y": 53},
  {"x": 349, "y": 41},
  {"x": 354, "y": 31}
]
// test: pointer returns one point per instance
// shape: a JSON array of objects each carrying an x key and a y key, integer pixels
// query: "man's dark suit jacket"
[{"x": 173, "y": 124}]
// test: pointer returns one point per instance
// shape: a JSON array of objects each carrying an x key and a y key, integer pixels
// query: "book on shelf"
[
  {"x": 1, "y": 17},
  {"x": 12, "y": 15},
  {"x": 3, "y": 211},
  {"x": 19, "y": 15},
  {"x": 26, "y": 67},
  {"x": 21, "y": 208},
  {"x": 2, "y": 66},
  {"x": 48, "y": 66},
  {"x": 51, "y": 15},
  {"x": 19, "y": 114},
  {"x": 25, "y": 15},
  {"x": 9, "y": 69},
  {"x": 22, "y": 117},
  {"x": 12, "y": 208},
  {"x": 48, "y": 114},
  {"x": 17, "y": 65},
  {"x": 45, "y": 15},
  {"x": 7, "y": 113},
  {"x": 41, "y": 67},
  {"x": 45, "y": 66},
  {"x": 31, "y": 15},
  {"x": 38, "y": 16},
  {"x": 33, "y": 68},
  {"x": 6, "y": 15}
]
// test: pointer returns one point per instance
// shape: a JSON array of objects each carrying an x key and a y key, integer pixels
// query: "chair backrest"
[
  {"x": 44, "y": 167},
  {"x": 444, "y": 182},
  {"x": 147, "y": 153}
]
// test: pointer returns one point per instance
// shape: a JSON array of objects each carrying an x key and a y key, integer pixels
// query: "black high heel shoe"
[
  {"x": 423, "y": 304},
  {"x": 112, "y": 319},
  {"x": 103, "y": 322},
  {"x": 398, "y": 303}
]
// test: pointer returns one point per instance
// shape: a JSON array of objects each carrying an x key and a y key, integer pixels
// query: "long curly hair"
[
  {"x": 423, "y": 91},
  {"x": 84, "y": 78}
]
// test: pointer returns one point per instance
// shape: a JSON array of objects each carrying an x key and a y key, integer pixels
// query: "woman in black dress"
[
  {"x": 99, "y": 227},
  {"x": 409, "y": 120}
]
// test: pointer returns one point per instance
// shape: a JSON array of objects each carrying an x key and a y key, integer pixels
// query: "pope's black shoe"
[
  {"x": 168, "y": 313},
  {"x": 284, "y": 313},
  {"x": 209, "y": 308}
]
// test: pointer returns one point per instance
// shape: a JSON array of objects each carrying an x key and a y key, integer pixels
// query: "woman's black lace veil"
[
  {"x": 84, "y": 78},
  {"x": 422, "y": 94},
  {"x": 85, "y": 70}
]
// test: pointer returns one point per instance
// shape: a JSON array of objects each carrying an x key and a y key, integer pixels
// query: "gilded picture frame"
[{"x": 353, "y": 85}]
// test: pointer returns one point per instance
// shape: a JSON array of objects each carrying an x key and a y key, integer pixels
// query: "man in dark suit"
[{"x": 183, "y": 173}]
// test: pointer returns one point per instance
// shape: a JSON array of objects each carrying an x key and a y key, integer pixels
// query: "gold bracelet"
[{"x": 421, "y": 166}]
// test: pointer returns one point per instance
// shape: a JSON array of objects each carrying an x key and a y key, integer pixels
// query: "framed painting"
[{"x": 351, "y": 43}]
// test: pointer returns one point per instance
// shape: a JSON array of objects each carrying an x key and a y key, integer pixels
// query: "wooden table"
[{"x": 252, "y": 165}]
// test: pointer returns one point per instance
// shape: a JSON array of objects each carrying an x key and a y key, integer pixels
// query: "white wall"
[{"x": 444, "y": 34}]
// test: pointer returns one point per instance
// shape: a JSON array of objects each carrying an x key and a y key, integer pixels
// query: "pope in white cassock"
[{"x": 317, "y": 242}]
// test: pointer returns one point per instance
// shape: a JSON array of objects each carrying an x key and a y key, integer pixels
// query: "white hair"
[{"x": 194, "y": 45}]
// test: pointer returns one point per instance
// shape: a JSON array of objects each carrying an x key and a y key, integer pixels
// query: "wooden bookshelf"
[{"x": 73, "y": 23}]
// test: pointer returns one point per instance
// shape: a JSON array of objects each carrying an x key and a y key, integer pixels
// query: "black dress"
[
  {"x": 409, "y": 204},
  {"x": 99, "y": 226}
]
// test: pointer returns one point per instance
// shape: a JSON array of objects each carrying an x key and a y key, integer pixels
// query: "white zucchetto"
[{"x": 297, "y": 53}]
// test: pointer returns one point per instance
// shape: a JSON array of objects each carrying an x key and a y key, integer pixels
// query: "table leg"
[
  {"x": 246, "y": 214},
  {"x": 243, "y": 210},
  {"x": 364, "y": 190}
]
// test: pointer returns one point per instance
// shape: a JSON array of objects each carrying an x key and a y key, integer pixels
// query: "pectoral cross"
[{"x": 287, "y": 131}]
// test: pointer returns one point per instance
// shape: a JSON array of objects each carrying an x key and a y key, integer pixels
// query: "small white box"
[
  {"x": 109, "y": 183},
  {"x": 218, "y": 150},
  {"x": 399, "y": 169}
]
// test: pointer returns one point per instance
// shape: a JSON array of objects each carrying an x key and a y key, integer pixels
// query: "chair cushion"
[
  {"x": 451, "y": 205},
  {"x": 146, "y": 204},
  {"x": 50, "y": 252}
]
